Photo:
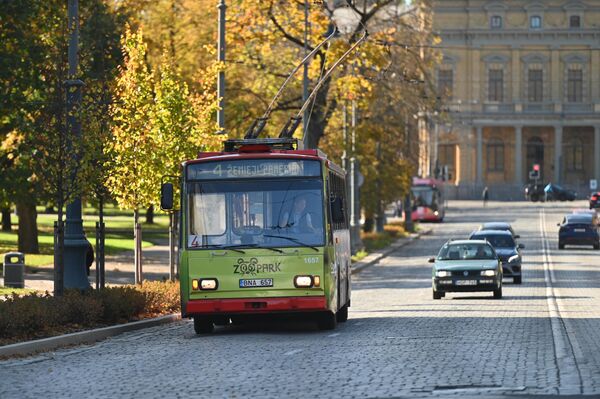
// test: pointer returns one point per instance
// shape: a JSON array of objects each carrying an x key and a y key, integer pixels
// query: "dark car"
[
  {"x": 559, "y": 193},
  {"x": 507, "y": 249},
  {"x": 595, "y": 200},
  {"x": 466, "y": 266},
  {"x": 578, "y": 229},
  {"x": 498, "y": 226}
]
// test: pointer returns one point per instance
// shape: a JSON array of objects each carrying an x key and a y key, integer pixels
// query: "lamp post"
[
  {"x": 221, "y": 58},
  {"x": 76, "y": 244}
]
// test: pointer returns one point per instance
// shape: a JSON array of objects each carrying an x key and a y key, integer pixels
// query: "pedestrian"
[{"x": 485, "y": 196}]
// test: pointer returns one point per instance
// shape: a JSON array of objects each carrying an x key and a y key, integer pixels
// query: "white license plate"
[
  {"x": 579, "y": 230},
  {"x": 256, "y": 282},
  {"x": 466, "y": 282}
]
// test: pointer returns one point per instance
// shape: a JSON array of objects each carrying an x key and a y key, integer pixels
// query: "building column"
[
  {"x": 597, "y": 153},
  {"x": 558, "y": 133},
  {"x": 519, "y": 154},
  {"x": 479, "y": 171}
]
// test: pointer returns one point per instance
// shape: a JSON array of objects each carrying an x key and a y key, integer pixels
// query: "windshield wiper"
[{"x": 297, "y": 241}]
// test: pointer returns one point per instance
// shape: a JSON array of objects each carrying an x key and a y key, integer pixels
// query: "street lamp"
[{"x": 76, "y": 244}]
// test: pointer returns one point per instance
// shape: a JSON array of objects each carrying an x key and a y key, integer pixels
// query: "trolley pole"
[
  {"x": 76, "y": 244},
  {"x": 221, "y": 58},
  {"x": 305, "y": 117}
]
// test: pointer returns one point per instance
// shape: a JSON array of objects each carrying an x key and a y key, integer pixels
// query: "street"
[{"x": 543, "y": 337}]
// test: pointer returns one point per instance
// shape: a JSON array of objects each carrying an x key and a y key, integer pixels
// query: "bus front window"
[
  {"x": 258, "y": 213},
  {"x": 424, "y": 197}
]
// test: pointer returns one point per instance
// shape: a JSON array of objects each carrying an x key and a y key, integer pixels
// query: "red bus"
[{"x": 427, "y": 200}]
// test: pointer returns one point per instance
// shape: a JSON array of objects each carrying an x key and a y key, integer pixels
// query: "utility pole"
[
  {"x": 221, "y": 58},
  {"x": 76, "y": 244},
  {"x": 355, "y": 240},
  {"x": 305, "y": 116}
]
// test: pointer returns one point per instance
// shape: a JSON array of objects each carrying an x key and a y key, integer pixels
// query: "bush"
[{"x": 41, "y": 315}]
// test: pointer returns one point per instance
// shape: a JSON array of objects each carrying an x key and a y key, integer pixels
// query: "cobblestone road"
[{"x": 543, "y": 338}]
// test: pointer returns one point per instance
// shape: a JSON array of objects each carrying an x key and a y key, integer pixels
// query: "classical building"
[{"x": 521, "y": 84}]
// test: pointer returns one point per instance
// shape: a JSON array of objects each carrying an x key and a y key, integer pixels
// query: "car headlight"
[
  {"x": 513, "y": 258},
  {"x": 488, "y": 273},
  {"x": 443, "y": 273}
]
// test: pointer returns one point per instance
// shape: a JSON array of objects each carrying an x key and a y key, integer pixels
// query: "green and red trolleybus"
[{"x": 263, "y": 231}]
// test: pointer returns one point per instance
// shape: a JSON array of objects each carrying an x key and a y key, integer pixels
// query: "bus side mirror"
[
  {"x": 337, "y": 210},
  {"x": 166, "y": 196}
]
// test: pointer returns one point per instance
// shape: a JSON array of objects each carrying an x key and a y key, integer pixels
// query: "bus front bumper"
[{"x": 254, "y": 305}]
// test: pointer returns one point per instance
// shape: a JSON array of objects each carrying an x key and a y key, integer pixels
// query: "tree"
[{"x": 131, "y": 153}]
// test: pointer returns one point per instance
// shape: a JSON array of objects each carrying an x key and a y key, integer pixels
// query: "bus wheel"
[
  {"x": 203, "y": 325},
  {"x": 342, "y": 314},
  {"x": 327, "y": 321}
]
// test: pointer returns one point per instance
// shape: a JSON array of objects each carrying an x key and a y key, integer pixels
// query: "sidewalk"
[{"x": 119, "y": 269}]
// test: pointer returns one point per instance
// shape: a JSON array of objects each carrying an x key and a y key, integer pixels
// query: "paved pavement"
[{"x": 543, "y": 338}]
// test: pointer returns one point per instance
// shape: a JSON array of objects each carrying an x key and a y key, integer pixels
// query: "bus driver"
[{"x": 298, "y": 220}]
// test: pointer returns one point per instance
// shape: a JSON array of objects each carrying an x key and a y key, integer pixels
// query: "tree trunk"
[
  {"x": 319, "y": 118},
  {"x": 6, "y": 222},
  {"x": 150, "y": 215},
  {"x": 28, "y": 232},
  {"x": 369, "y": 223}
]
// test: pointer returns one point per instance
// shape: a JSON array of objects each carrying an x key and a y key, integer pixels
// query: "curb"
[
  {"x": 378, "y": 255},
  {"x": 82, "y": 337}
]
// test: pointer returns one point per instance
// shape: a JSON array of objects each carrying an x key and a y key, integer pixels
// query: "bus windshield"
[
  {"x": 424, "y": 196},
  {"x": 257, "y": 213}
]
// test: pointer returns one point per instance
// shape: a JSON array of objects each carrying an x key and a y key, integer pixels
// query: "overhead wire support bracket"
[
  {"x": 293, "y": 123},
  {"x": 259, "y": 123}
]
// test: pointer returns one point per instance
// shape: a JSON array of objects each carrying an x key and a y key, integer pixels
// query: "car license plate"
[
  {"x": 579, "y": 230},
  {"x": 466, "y": 282},
  {"x": 257, "y": 282}
]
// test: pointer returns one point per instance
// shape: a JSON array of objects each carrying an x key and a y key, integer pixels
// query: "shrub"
[
  {"x": 40, "y": 315},
  {"x": 160, "y": 297}
]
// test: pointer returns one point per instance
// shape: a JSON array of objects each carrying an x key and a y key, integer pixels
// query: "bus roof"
[
  {"x": 261, "y": 148},
  {"x": 418, "y": 181}
]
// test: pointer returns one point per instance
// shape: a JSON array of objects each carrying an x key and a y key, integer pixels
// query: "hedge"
[{"x": 35, "y": 315}]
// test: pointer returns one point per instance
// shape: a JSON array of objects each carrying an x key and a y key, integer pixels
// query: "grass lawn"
[
  {"x": 5, "y": 291},
  {"x": 119, "y": 233}
]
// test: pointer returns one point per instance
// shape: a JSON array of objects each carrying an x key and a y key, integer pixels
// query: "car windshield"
[
  {"x": 466, "y": 252},
  {"x": 497, "y": 240},
  {"x": 266, "y": 213}
]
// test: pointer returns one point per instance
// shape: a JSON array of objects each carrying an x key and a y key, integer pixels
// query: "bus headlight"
[
  {"x": 488, "y": 273},
  {"x": 209, "y": 284},
  {"x": 303, "y": 281}
]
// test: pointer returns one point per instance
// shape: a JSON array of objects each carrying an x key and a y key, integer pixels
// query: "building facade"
[{"x": 520, "y": 81}]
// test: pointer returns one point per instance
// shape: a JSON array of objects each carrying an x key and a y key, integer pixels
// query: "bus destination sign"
[{"x": 253, "y": 168}]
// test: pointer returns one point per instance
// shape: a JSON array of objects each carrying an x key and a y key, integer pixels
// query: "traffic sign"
[{"x": 593, "y": 184}]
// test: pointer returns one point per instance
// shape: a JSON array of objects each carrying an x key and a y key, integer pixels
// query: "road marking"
[
  {"x": 293, "y": 352},
  {"x": 333, "y": 335},
  {"x": 569, "y": 376}
]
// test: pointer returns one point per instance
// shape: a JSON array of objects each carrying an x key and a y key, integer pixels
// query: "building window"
[
  {"x": 496, "y": 22},
  {"x": 495, "y": 156},
  {"x": 535, "y": 87},
  {"x": 535, "y": 22},
  {"x": 445, "y": 83},
  {"x": 496, "y": 85},
  {"x": 574, "y": 156},
  {"x": 574, "y": 21},
  {"x": 575, "y": 85}
]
